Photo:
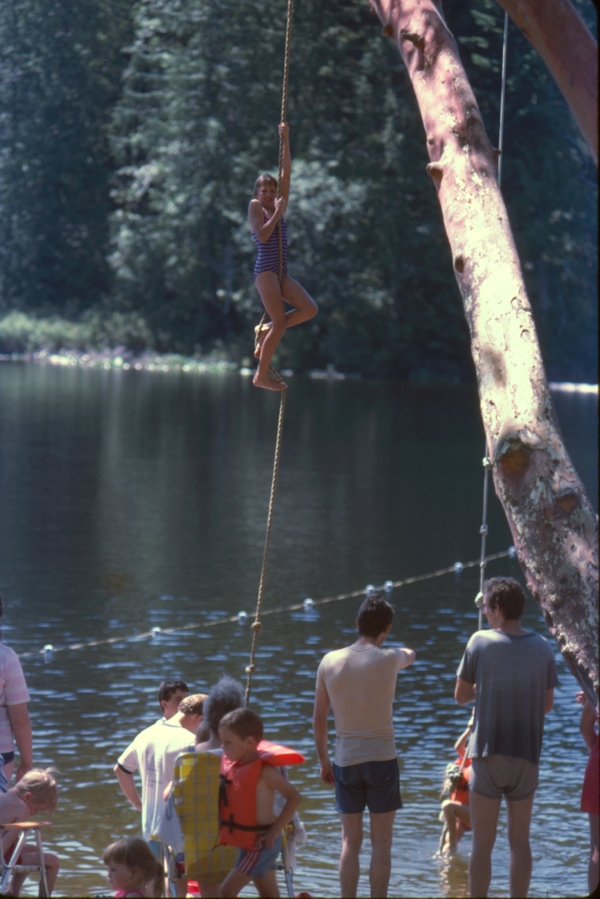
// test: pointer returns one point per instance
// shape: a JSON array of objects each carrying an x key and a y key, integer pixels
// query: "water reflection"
[{"x": 134, "y": 501}]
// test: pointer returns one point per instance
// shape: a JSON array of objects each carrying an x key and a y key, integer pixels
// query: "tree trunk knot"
[
  {"x": 567, "y": 500},
  {"x": 417, "y": 39},
  {"x": 435, "y": 170},
  {"x": 459, "y": 262},
  {"x": 388, "y": 30},
  {"x": 514, "y": 457}
]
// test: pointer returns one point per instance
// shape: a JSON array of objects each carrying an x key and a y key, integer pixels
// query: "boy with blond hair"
[
  {"x": 36, "y": 792},
  {"x": 250, "y": 778}
]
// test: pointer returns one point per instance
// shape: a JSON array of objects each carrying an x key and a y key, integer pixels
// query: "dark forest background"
[{"x": 130, "y": 138}]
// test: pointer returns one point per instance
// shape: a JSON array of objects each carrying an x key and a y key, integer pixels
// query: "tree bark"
[
  {"x": 562, "y": 39},
  {"x": 553, "y": 524}
]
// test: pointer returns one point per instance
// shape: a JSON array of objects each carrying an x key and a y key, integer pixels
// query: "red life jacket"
[
  {"x": 237, "y": 794},
  {"x": 461, "y": 793}
]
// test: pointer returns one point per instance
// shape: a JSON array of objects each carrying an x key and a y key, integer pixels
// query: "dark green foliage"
[
  {"x": 60, "y": 75},
  {"x": 193, "y": 121}
]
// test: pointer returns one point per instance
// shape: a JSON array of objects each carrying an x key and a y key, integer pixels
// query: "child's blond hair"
[
  {"x": 41, "y": 784},
  {"x": 134, "y": 853}
]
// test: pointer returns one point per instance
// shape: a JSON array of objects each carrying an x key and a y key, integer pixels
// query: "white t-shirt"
[
  {"x": 13, "y": 690},
  {"x": 361, "y": 683},
  {"x": 154, "y": 751}
]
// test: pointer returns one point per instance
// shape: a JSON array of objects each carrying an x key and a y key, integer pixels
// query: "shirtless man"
[{"x": 359, "y": 683}]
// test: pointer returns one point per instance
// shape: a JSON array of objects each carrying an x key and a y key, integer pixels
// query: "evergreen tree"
[{"x": 59, "y": 77}]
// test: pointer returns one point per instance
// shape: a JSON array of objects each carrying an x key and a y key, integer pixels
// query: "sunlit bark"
[
  {"x": 557, "y": 32},
  {"x": 551, "y": 518}
]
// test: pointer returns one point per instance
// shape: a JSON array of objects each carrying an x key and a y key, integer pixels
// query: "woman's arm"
[
  {"x": 284, "y": 186},
  {"x": 262, "y": 229}
]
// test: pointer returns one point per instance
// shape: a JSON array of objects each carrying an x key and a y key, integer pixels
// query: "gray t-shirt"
[{"x": 512, "y": 674}]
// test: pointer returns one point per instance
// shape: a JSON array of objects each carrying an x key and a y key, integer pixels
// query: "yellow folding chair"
[{"x": 196, "y": 798}]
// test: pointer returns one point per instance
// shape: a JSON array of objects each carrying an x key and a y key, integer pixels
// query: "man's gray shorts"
[{"x": 495, "y": 776}]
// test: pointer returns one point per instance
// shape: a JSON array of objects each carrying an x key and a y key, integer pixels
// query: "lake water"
[{"x": 138, "y": 500}]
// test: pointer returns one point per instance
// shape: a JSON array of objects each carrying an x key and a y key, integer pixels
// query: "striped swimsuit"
[{"x": 268, "y": 252}]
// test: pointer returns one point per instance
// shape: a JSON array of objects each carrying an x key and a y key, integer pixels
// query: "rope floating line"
[{"x": 295, "y": 607}]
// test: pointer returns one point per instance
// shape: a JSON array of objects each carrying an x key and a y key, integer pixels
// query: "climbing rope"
[
  {"x": 263, "y": 324},
  {"x": 257, "y": 626},
  {"x": 502, "y": 98},
  {"x": 483, "y": 530}
]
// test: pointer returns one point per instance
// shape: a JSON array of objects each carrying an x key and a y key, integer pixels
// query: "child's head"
[
  {"x": 265, "y": 178},
  {"x": 38, "y": 789},
  {"x": 240, "y": 732},
  {"x": 131, "y": 865}
]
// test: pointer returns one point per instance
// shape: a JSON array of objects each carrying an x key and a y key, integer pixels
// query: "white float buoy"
[
  {"x": 241, "y": 616},
  {"x": 512, "y": 552},
  {"x": 308, "y": 603},
  {"x": 458, "y": 567},
  {"x": 388, "y": 586},
  {"x": 370, "y": 589},
  {"x": 155, "y": 631},
  {"x": 48, "y": 647}
]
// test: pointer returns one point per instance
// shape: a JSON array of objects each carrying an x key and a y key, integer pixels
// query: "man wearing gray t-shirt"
[
  {"x": 511, "y": 673},
  {"x": 359, "y": 682}
]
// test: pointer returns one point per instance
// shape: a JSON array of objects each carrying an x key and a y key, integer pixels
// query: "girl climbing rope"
[{"x": 275, "y": 286}]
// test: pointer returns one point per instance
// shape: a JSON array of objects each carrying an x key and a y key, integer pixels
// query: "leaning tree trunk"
[
  {"x": 557, "y": 32},
  {"x": 552, "y": 521}
]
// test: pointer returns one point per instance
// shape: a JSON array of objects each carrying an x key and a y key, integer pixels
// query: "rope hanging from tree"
[
  {"x": 487, "y": 464},
  {"x": 256, "y": 625}
]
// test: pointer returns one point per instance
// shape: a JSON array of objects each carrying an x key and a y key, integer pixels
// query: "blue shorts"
[
  {"x": 374, "y": 785},
  {"x": 256, "y": 862}
]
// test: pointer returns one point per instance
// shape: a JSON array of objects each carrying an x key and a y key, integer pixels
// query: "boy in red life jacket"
[{"x": 249, "y": 781}]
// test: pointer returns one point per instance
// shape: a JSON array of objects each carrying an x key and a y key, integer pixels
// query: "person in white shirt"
[
  {"x": 153, "y": 753},
  {"x": 359, "y": 682}
]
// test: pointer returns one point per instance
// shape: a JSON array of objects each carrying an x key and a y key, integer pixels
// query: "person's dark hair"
[
  {"x": 226, "y": 695},
  {"x": 507, "y": 595},
  {"x": 374, "y": 616},
  {"x": 244, "y": 723},
  {"x": 168, "y": 687},
  {"x": 193, "y": 705}
]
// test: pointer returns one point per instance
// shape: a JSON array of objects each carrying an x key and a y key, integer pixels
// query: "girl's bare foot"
[
  {"x": 260, "y": 332},
  {"x": 268, "y": 382}
]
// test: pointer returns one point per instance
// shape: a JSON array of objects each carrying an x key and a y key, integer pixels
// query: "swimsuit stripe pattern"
[
  {"x": 246, "y": 862},
  {"x": 268, "y": 252}
]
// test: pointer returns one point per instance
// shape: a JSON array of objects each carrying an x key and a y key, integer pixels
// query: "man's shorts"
[
  {"x": 256, "y": 862},
  {"x": 375, "y": 785},
  {"x": 494, "y": 776}
]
